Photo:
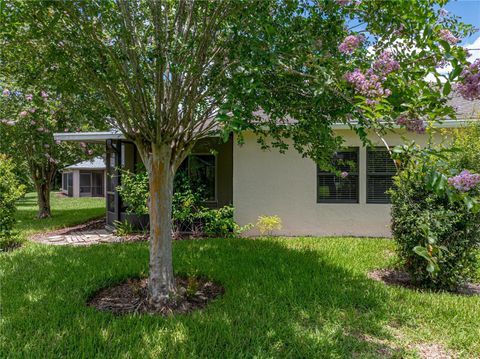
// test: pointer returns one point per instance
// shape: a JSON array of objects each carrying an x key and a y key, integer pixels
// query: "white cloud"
[{"x": 474, "y": 49}]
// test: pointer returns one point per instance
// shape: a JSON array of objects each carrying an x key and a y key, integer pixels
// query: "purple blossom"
[
  {"x": 465, "y": 181},
  {"x": 385, "y": 64},
  {"x": 344, "y": 174},
  {"x": 29, "y": 97},
  {"x": 413, "y": 124},
  {"x": 83, "y": 145},
  {"x": 343, "y": 2},
  {"x": 469, "y": 85},
  {"x": 368, "y": 84},
  {"x": 447, "y": 35},
  {"x": 58, "y": 142},
  {"x": 350, "y": 44},
  {"x": 33, "y": 123},
  {"x": 6, "y": 92},
  {"x": 32, "y": 110},
  {"x": 44, "y": 94},
  {"x": 23, "y": 114},
  {"x": 443, "y": 12},
  {"x": 65, "y": 130},
  {"x": 8, "y": 122},
  {"x": 399, "y": 30},
  {"x": 90, "y": 152}
]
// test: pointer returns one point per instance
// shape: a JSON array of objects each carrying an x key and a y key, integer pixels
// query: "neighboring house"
[
  {"x": 308, "y": 200},
  {"x": 85, "y": 179}
]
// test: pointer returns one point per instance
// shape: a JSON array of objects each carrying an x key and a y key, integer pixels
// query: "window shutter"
[{"x": 380, "y": 170}]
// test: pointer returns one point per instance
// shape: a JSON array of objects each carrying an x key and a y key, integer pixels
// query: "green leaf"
[
  {"x": 447, "y": 88},
  {"x": 430, "y": 267}
]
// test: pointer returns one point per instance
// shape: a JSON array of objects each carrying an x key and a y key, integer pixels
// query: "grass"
[
  {"x": 66, "y": 211},
  {"x": 292, "y": 298},
  {"x": 297, "y": 297}
]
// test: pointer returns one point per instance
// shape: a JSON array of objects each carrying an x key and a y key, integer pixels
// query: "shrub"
[
  {"x": 123, "y": 228},
  {"x": 10, "y": 191},
  {"x": 189, "y": 215},
  {"x": 267, "y": 224},
  {"x": 435, "y": 222},
  {"x": 134, "y": 191}
]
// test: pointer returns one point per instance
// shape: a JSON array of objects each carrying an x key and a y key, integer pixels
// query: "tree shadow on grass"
[{"x": 280, "y": 301}]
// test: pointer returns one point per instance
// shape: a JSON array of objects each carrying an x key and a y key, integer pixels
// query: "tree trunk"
[
  {"x": 43, "y": 198},
  {"x": 161, "y": 281}
]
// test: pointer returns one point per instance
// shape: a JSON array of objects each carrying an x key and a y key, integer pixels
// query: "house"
[
  {"x": 309, "y": 201},
  {"x": 85, "y": 179}
]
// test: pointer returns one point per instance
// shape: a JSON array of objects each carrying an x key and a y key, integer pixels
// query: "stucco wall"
[{"x": 271, "y": 183}]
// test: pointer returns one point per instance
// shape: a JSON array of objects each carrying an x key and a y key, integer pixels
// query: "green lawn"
[
  {"x": 292, "y": 298},
  {"x": 66, "y": 212}
]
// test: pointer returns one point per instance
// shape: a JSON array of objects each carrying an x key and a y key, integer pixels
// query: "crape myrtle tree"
[
  {"x": 173, "y": 72},
  {"x": 28, "y": 119}
]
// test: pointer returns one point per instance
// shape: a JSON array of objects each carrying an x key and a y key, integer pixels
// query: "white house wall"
[{"x": 271, "y": 183}]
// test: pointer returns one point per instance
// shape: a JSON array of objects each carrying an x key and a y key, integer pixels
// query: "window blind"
[
  {"x": 380, "y": 170},
  {"x": 333, "y": 188}
]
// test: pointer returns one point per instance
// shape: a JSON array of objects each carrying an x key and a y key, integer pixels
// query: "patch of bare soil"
[
  {"x": 403, "y": 279},
  {"x": 88, "y": 226},
  {"x": 191, "y": 294}
]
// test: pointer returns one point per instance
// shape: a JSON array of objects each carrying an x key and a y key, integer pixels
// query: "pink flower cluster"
[
  {"x": 385, "y": 64},
  {"x": 343, "y": 2},
  {"x": 6, "y": 92},
  {"x": 413, "y": 124},
  {"x": 370, "y": 83},
  {"x": 447, "y": 35},
  {"x": 350, "y": 44},
  {"x": 465, "y": 181},
  {"x": 469, "y": 85},
  {"x": 7, "y": 122}
]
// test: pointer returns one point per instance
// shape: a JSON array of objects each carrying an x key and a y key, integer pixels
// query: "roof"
[
  {"x": 466, "y": 111},
  {"x": 97, "y": 163},
  {"x": 91, "y": 137}
]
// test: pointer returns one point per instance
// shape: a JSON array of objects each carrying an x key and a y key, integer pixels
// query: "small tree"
[
  {"x": 174, "y": 72},
  {"x": 28, "y": 122}
]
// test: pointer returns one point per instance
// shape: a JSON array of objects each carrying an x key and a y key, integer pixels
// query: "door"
[{"x": 85, "y": 184}]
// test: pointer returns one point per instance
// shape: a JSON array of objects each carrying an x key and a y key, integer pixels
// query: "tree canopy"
[{"x": 173, "y": 72}]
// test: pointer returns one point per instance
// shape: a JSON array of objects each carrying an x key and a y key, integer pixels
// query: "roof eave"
[{"x": 90, "y": 137}]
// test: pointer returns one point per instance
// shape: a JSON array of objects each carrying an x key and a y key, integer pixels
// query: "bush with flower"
[{"x": 436, "y": 216}]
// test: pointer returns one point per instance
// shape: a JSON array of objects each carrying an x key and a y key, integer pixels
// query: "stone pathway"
[
  {"x": 80, "y": 238},
  {"x": 92, "y": 232}
]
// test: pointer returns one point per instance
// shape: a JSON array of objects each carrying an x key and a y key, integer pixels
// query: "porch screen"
[
  {"x": 380, "y": 170},
  {"x": 333, "y": 188},
  {"x": 201, "y": 170}
]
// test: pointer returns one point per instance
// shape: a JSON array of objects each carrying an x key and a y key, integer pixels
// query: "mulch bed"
[
  {"x": 192, "y": 293},
  {"x": 403, "y": 279}
]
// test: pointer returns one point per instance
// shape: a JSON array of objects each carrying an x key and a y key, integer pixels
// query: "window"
[
  {"x": 201, "y": 171},
  {"x": 339, "y": 189},
  {"x": 85, "y": 184},
  {"x": 380, "y": 169}
]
